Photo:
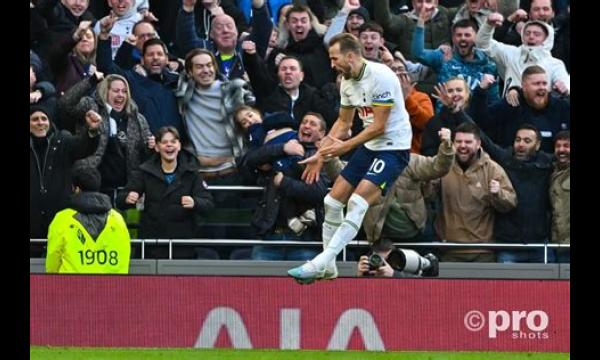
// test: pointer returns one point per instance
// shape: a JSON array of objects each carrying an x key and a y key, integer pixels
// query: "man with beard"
[
  {"x": 151, "y": 86},
  {"x": 549, "y": 114},
  {"x": 560, "y": 195},
  {"x": 467, "y": 62},
  {"x": 473, "y": 192},
  {"x": 529, "y": 170},
  {"x": 382, "y": 153}
]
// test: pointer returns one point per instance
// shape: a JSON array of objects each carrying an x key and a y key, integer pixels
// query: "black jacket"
[
  {"x": 530, "y": 220},
  {"x": 58, "y": 28},
  {"x": 314, "y": 58},
  {"x": 430, "y": 139},
  {"x": 500, "y": 121},
  {"x": 268, "y": 213},
  {"x": 50, "y": 176},
  {"x": 270, "y": 97},
  {"x": 163, "y": 216}
]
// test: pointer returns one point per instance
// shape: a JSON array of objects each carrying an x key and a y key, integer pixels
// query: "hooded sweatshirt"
[{"x": 512, "y": 60}]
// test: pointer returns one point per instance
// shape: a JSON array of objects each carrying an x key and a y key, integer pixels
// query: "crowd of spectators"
[{"x": 166, "y": 98}]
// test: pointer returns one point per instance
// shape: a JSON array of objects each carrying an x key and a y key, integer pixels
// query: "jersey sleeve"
[
  {"x": 383, "y": 91},
  {"x": 344, "y": 95}
]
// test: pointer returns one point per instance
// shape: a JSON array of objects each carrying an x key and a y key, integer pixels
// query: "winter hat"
[
  {"x": 42, "y": 108},
  {"x": 362, "y": 12},
  {"x": 35, "y": 62}
]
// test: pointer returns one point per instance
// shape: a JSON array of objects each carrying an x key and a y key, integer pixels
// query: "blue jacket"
[
  {"x": 457, "y": 66},
  {"x": 153, "y": 94}
]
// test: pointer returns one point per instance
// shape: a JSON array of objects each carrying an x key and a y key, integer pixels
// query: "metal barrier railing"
[{"x": 358, "y": 243}]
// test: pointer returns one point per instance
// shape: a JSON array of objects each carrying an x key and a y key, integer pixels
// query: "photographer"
[{"x": 385, "y": 260}]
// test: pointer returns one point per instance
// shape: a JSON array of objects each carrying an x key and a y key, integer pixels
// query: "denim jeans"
[
  {"x": 263, "y": 252},
  {"x": 524, "y": 256}
]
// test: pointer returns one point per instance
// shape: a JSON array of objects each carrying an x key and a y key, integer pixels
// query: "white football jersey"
[{"x": 377, "y": 85}]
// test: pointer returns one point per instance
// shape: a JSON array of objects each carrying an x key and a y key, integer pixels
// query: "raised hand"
[
  {"x": 426, "y": 13},
  {"x": 81, "y": 29},
  {"x": 278, "y": 58},
  {"x": 561, "y": 87},
  {"x": 151, "y": 142},
  {"x": 249, "y": 47},
  {"x": 386, "y": 56},
  {"x": 517, "y": 16},
  {"x": 494, "y": 186},
  {"x": 35, "y": 96},
  {"x": 406, "y": 84},
  {"x": 106, "y": 24},
  {"x": 187, "y": 202},
  {"x": 132, "y": 197},
  {"x": 93, "y": 120},
  {"x": 441, "y": 93},
  {"x": 350, "y": 5},
  {"x": 445, "y": 134},
  {"x": 512, "y": 97},
  {"x": 148, "y": 15},
  {"x": 447, "y": 51},
  {"x": 495, "y": 19},
  {"x": 131, "y": 39},
  {"x": 486, "y": 81}
]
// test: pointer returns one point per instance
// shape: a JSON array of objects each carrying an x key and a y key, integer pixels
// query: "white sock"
[
  {"x": 357, "y": 207},
  {"x": 334, "y": 216}
]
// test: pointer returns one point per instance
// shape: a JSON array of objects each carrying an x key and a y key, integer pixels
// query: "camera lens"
[{"x": 375, "y": 262}]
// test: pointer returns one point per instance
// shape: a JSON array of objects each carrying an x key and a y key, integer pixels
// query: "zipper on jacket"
[{"x": 42, "y": 170}]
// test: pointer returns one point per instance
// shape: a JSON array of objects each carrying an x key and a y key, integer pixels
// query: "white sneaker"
[
  {"x": 309, "y": 217},
  {"x": 296, "y": 225},
  {"x": 306, "y": 274}
]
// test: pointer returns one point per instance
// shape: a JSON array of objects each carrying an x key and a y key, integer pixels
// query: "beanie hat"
[
  {"x": 362, "y": 12},
  {"x": 42, "y": 108},
  {"x": 35, "y": 62}
]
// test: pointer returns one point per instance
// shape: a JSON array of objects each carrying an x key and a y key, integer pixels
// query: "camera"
[{"x": 375, "y": 261}]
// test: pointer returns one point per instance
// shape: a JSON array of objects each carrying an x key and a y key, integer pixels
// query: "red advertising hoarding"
[{"x": 275, "y": 312}]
